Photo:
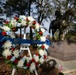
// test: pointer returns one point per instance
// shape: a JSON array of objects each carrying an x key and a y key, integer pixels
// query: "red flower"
[
  {"x": 14, "y": 29},
  {"x": 44, "y": 56},
  {"x": 37, "y": 63},
  {"x": 16, "y": 18},
  {"x": 28, "y": 64},
  {"x": 6, "y": 22},
  {"x": 37, "y": 54},
  {"x": 20, "y": 57},
  {"x": 34, "y": 22},
  {"x": 40, "y": 33},
  {"x": 33, "y": 60},
  {"x": 9, "y": 57},
  {"x": 4, "y": 33},
  {"x": 42, "y": 46},
  {"x": 26, "y": 19},
  {"x": 16, "y": 61},
  {"x": 12, "y": 49}
]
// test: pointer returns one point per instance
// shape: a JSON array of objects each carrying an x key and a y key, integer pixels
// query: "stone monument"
[{"x": 63, "y": 51}]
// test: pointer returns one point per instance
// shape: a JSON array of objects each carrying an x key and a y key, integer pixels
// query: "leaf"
[
  {"x": 7, "y": 61},
  {"x": 19, "y": 20}
]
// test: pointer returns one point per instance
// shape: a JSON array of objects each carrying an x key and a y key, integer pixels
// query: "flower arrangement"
[{"x": 12, "y": 54}]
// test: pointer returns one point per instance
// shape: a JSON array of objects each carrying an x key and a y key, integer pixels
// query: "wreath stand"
[{"x": 21, "y": 50}]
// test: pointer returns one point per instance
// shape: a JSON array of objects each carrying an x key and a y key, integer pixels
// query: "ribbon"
[
  {"x": 48, "y": 42},
  {"x": 2, "y": 40},
  {"x": 21, "y": 41}
]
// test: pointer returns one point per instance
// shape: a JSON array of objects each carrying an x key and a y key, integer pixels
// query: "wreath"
[{"x": 13, "y": 55}]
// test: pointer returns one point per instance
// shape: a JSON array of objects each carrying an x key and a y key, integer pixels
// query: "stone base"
[{"x": 63, "y": 51}]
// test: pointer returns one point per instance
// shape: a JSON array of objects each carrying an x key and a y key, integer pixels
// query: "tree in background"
[
  {"x": 16, "y": 6},
  {"x": 44, "y": 9}
]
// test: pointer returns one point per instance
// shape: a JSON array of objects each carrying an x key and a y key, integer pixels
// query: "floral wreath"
[{"x": 12, "y": 55}]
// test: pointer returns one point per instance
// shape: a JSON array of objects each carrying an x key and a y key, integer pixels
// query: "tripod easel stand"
[{"x": 22, "y": 49}]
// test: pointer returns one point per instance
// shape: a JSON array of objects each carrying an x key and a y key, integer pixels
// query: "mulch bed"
[{"x": 5, "y": 69}]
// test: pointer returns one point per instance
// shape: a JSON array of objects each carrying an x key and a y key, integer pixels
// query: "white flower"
[
  {"x": 30, "y": 23},
  {"x": 41, "y": 52},
  {"x": 6, "y": 28},
  {"x": 36, "y": 57},
  {"x": 6, "y": 52},
  {"x": 46, "y": 46},
  {"x": 32, "y": 67},
  {"x": 27, "y": 58},
  {"x": 7, "y": 44},
  {"x": 16, "y": 53},
  {"x": 22, "y": 17},
  {"x": 30, "y": 18},
  {"x": 39, "y": 45},
  {"x": 19, "y": 24},
  {"x": 23, "y": 22},
  {"x": 43, "y": 38},
  {"x": 13, "y": 22},
  {"x": 12, "y": 35},
  {"x": 43, "y": 30},
  {"x": 20, "y": 63},
  {"x": 41, "y": 60},
  {"x": 45, "y": 52},
  {"x": 37, "y": 26}
]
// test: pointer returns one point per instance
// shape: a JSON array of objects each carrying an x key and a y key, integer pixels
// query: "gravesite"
[{"x": 37, "y": 37}]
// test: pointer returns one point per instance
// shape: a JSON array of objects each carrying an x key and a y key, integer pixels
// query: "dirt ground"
[{"x": 5, "y": 69}]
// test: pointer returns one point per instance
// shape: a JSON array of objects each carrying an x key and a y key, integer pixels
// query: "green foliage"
[
  {"x": 71, "y": 36},
  {"x": 11, "y": 64},
  {"x": 18, "y": 6}
]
